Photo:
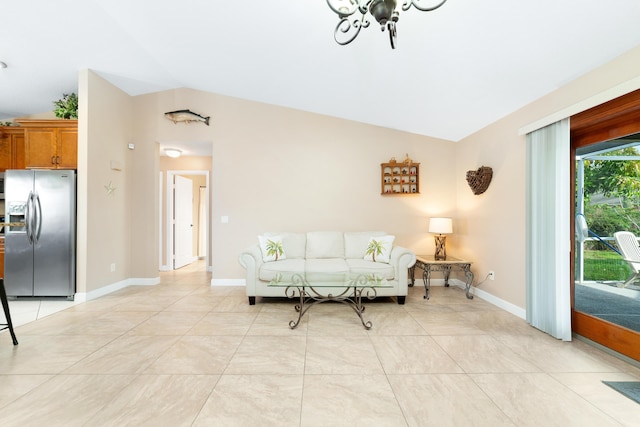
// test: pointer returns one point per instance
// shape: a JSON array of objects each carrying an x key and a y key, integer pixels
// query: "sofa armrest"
[
  {"x": 401, "y": 259},
  {"x": 251, "y": 259}
]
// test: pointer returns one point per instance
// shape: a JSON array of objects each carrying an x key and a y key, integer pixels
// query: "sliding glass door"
[{"x": 606, "y": 187}]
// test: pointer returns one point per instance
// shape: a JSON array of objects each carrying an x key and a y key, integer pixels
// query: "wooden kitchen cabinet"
[
  {"x": 5, "y": 153},
  {"x": 50, "y": 144},
  {"x": 12, "y": 149}
]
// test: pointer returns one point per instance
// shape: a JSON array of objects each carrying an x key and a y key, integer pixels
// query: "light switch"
[{"x": 224, "y": 219}]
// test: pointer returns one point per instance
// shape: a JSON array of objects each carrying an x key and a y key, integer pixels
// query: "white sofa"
[{"x": 324, "y": 251}]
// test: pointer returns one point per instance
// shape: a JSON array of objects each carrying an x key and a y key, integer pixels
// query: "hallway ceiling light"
[
  {"x": 386, "y": 12},
  {"x": 172, "y": 152}
]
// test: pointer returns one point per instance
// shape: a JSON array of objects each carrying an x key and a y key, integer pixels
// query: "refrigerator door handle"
[
  {"x": 28, "y": 214},
  {"x": 37, "y": 218}
]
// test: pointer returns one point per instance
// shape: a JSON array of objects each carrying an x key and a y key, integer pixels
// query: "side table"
[{"x": 428, "y": 263}]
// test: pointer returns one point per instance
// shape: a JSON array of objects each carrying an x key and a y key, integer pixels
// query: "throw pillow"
[
  {"x": 379, "y": 249},
  {"x": 271, "y": 247}
]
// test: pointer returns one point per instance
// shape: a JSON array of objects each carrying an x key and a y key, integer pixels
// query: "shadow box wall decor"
[{"x": 400, "y": 178}]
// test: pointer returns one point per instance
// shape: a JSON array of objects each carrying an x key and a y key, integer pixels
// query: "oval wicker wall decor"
[{"x": 480, "y": 179}]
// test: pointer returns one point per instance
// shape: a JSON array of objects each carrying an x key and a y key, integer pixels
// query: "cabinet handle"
[
  {"x": 53, "y": 160},
  {"x": 57, "y": 160}
]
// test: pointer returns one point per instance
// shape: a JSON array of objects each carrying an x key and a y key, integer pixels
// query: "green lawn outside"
[{"x": 605, "y": 265}]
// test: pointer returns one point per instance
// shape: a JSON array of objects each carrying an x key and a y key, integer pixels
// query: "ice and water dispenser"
[{"x": 15, "y": 217}]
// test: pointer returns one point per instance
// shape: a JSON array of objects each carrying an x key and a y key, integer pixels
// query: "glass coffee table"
[{"x": 316, "y": 288}]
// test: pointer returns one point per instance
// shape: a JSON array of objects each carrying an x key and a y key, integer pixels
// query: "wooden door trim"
[
  {"x": 622, "y": 340},
  {"x": 613, "y": 119}
]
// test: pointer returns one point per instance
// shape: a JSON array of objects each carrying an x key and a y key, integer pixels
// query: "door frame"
[
  {"x": 613, "y": 119},
  {"x": 168, "y": 211}
]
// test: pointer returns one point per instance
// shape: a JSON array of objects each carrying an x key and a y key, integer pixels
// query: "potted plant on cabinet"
[{"x": 66, "y": 107}]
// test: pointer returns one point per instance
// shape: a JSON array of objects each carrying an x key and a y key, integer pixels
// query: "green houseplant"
[{"x": 66, "y": 107}]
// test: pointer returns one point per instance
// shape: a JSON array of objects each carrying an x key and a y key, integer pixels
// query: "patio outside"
[{"x": 607, "y": 201}]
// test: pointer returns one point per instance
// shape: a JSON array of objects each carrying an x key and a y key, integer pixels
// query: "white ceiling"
[{"x": 456, "y": 69}]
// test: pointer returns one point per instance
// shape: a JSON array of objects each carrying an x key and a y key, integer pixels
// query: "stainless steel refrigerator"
[{"x": 40, "y": 245}]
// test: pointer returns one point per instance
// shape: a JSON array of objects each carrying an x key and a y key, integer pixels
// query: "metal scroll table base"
[
  {"x": 445, "y": 268},
  {"x": 308, "y": 296}
]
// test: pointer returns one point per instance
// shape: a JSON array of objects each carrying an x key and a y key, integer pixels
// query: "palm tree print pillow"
[
  {"x": 379, "y": 249},
  {"x": 271, "y": 247}
]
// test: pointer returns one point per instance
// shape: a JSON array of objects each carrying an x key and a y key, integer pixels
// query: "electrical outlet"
[
  {"x": 492, "y": 275},
  {"x": 113, "y": 267}
]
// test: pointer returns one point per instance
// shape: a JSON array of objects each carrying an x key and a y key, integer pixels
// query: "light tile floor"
[{"x": 183, "y": 353}]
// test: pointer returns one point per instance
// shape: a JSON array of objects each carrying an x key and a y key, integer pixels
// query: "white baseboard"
[
  {"x": 148, "y": 281},
  {"x": 228, "y": 282},
  {"x": 105, "y": 290},
  {"x": 505, "y": 305}
]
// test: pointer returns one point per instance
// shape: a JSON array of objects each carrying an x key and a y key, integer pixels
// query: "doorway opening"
[{"x": 186, "y": 230}]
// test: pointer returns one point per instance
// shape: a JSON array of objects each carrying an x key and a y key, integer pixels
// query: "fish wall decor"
[{"x": 186, "y": 116}]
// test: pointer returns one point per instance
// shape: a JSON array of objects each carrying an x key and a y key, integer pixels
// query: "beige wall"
[
  {"x": 493, "y": 224},
  {"x": 104, "y": 220},
  {"x": 300, "y": 171},
  {"x": 144, "y": 205},
  {"x": 279, "y": 169}
]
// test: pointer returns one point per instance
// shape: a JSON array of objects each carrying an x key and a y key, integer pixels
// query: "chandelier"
[{"x": 386, "y": 12}]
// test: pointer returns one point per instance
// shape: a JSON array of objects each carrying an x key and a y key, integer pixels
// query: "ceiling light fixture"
[
  {"x": 172, "y": 152},
  {"x": 386, "y": 12}
]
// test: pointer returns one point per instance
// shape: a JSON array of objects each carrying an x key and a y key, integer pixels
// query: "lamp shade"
[{"x": 441, "y": 225}]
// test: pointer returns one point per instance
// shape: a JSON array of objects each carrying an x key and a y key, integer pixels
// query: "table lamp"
[{"x": 440, "y": 226}]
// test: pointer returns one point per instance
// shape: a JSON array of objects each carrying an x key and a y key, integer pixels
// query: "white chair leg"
[{"x": 631, "y": 279}]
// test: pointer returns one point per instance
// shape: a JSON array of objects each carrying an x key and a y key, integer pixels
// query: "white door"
[
  {"x": 183, "y": 222},
  {"x": 202, "y": 223}
]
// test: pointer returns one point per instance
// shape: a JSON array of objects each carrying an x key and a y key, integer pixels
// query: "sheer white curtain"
[{"x": 548, "y": 235}]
